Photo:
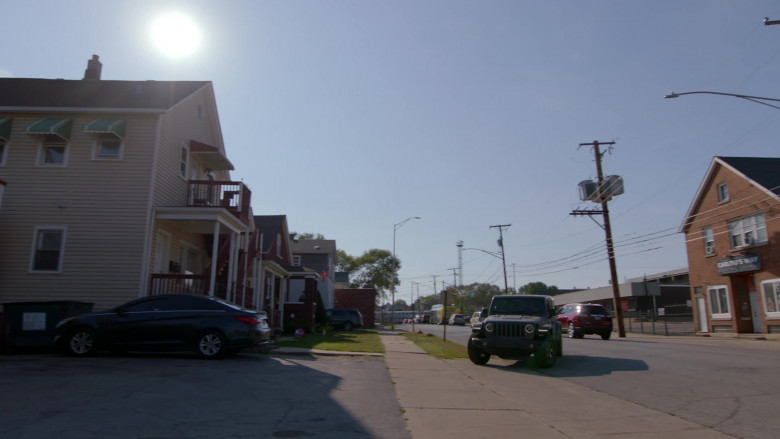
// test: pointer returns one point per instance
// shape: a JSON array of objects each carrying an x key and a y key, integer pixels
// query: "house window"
[
  {"x": 709, "y": 241},
  {"x": 48, "y": 249},
  {"x": 3, "y": 149},
  {"x": 183, "y": 164},
  {"x": 771, "y": 290},
  {"x": 108, "y": 147},
  {"x": 719, "y": 302},
  {"x": 278, "y": 245},
  {"x": 296, "y": 260},
  {"x": 296, "y": 291},
  {"x": 52, "y": 154},
  {"x": 723, "y": 192},
  {"x": 748, "y": 231}
]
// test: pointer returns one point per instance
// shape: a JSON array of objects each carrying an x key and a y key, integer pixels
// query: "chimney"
[{"x": 93, "y": 68}]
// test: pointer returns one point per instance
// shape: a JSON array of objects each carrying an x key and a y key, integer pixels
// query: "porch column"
[
  {"x": 230, "y": 295},
  {"x": 214, "y": 261}
]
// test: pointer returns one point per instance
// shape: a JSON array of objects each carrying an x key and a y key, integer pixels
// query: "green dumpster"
[{"x": 32, "y": 324}]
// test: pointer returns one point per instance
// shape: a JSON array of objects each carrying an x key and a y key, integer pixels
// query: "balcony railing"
[
  {"x": 179, "y": 284},
  {"x": 231, "y": 195}
]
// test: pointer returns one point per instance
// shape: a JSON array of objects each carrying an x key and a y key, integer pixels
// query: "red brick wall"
[
  {"x": 362, "y": 299},
  {"x": 744, "y": 199}
]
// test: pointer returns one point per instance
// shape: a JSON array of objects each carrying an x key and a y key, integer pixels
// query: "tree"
[
  {"x": 372, "y": 269},
  {"x": 538, "y": 288},
  {"x": 307, "y": 235}
]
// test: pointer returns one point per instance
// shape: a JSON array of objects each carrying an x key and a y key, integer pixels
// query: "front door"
[
  {"x": 701, "y": 308},
  {"x": 755, "y": 310}
]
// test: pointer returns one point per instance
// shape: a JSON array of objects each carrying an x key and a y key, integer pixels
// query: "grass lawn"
[
  {"x": 358, "y": 340},
  {"x": 437, "y": 347}
]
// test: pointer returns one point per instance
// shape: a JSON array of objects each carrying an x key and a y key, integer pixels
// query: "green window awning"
[
  {"x": 5, "y": 128},
  {"x": 107, "y": 126},
  {"x": 51, "y": 126}
]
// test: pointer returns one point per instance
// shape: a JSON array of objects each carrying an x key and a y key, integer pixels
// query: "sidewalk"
[{"x": 454, "y": 398}]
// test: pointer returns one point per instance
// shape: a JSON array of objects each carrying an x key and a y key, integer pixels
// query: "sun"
[{"x": 175, "y": 34}]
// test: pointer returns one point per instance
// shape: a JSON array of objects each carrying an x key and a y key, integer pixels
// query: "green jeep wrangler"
[{"x": 516, "y": 327}]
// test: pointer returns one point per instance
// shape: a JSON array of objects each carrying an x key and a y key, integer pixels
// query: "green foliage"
[
  {"x": 538, "y": 288},
  {"x": 294, "y": 235},
  {"x": 372, "y": 269}
]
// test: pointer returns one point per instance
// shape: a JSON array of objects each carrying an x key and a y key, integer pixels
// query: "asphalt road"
[
  {"x": 181, "y": 396},
  {"x": 727, "y": 384}
]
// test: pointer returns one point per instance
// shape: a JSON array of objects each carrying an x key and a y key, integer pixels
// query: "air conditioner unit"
[{"x": 749, "y": 240}]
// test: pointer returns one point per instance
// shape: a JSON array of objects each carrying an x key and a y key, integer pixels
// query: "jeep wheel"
[
  {"x": 476, "y": 355},
  {"x": 546, "y": 355}
]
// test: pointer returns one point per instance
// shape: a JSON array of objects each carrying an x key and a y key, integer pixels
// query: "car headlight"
[
  {"x": 529, "y": 328},
  {"x": 489, "y": 327}
]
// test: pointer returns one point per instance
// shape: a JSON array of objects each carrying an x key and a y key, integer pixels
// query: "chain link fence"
[{"x": 648, "y": 322}]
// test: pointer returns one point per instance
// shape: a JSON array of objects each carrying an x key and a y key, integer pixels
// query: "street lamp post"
[
  {"x": 756, "y": 99},
  {"x": 396, "y": 226}
]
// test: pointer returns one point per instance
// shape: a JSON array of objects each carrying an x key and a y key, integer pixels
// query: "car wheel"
[
  {"x": 82, "y": 342},
  {"x": 606, "y": 335},
  {"x": 547, "y": 354},
  {"x": 476, "y": 355},
  {"x": 570, "y": 330},
  {"x": 348, "y": 326},
  {"x": 212, "y": 344}
]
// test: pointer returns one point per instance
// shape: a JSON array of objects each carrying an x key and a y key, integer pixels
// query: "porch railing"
[
  {"x": 179, "y": 284},
  {"x": 231, "y": 195}
]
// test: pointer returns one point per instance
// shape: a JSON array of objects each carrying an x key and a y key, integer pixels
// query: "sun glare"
[{"x": 175, "y": 35}]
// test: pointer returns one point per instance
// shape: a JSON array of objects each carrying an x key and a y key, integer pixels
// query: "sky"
[{"x": 352, "y": 116}]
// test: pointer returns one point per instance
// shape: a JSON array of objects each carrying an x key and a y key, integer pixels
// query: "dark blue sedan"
[{"x": 177, "y": 322}]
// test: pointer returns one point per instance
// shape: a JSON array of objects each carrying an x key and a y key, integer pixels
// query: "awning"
[
  {"x": 107, "y": 126},
  {"x": 210, "y": 156},
  {"x": 5, "y": 128},
  {"x": 53, "y": 126}
]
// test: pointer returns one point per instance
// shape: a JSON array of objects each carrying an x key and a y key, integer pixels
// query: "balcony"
[{"x": 231, "y": 195}]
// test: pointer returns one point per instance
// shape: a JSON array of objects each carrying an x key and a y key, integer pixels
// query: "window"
[
  {"x": 108, "y": 147},
  {"x": 296, "y": 291},
  {"x": 296, "y": 260},
  {"x": 278, "y": 245},
  {"x": 771, "y": 290},
  {"x": 183, "y": 164},
  {"x": 709, "y": 241},
  {"x": 53, "y": 154},
  {"x": 48, "y": 249},
  {"x": 748, "y": 231},
  {"x": 723, "y": 192},
  {"x": 3, "y": 149},
  {"x": 719, "y": 302}
]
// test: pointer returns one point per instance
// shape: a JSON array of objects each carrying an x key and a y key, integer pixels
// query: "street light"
[
  {"x": 396, "y": 226},
  {"x": 756, "y": 99}
]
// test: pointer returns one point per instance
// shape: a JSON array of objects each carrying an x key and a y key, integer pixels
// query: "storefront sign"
[{"x": 739, "y": 264}]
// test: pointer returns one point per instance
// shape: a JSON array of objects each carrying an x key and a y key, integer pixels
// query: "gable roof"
[
  {"x": 319, "y": 246},
  {"x": 761, "y": 172},
  {"x": 32, "y": 93},
  {"x": 271, "y": 225}
]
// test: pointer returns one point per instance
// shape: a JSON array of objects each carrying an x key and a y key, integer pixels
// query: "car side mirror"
[{"x": 483, "y": 313}]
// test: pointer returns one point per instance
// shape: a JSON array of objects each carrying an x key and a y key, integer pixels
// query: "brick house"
[{"x": 732, "y": 236}]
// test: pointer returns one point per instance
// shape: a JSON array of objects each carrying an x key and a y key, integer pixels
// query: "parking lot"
[{"x": 166, "y": 396}]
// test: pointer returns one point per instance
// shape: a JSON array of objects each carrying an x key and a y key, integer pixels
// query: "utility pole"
[
  {"x": 503, "y": 257},
  {"x": 603, "y": 198},
  {"x": 460, "y": 262}
]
